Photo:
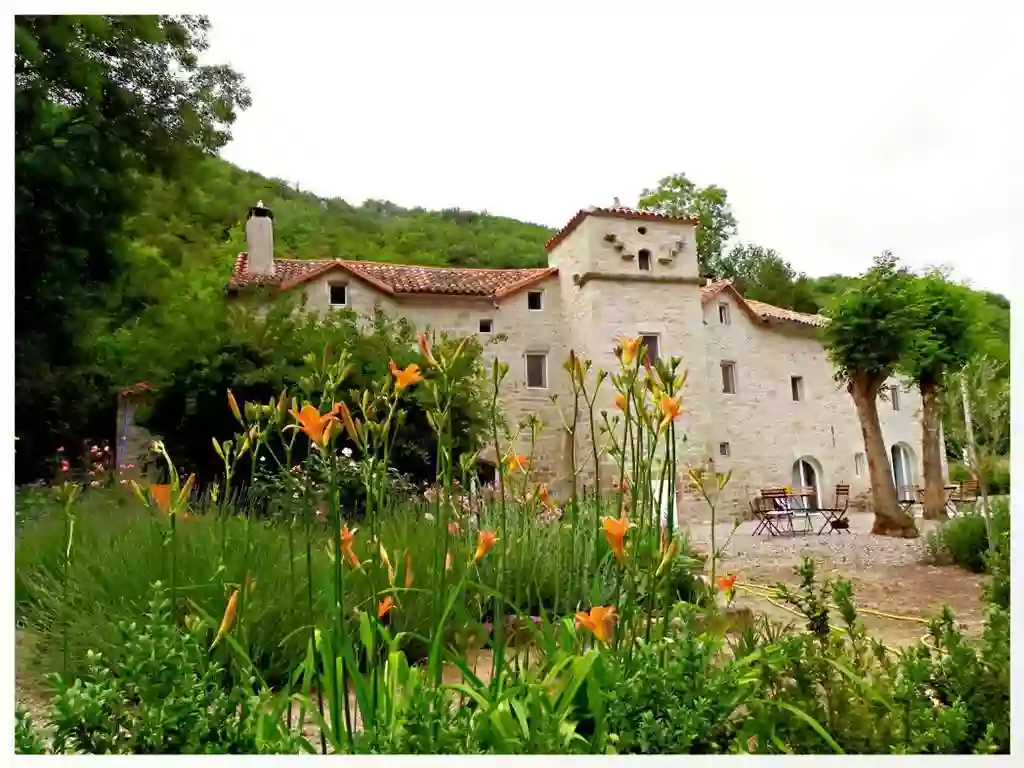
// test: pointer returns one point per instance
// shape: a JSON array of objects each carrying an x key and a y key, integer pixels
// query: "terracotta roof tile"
[
  {"x": 623, "y": 213},
  {"x": 396, "y": 279},
  {"x": 758, "y": 309}
]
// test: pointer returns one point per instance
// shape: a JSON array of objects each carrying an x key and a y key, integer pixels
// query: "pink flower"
[
  {"x": 453, "y": 528},
  {"x": 94, "y": 450},
  {"x": 64, "y": 466},
  {"x": 61, "y": 449}
]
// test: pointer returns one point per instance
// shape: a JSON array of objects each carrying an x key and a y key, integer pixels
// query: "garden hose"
[{"x": 768, "y": 592}]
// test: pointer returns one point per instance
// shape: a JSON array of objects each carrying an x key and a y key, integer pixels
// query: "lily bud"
[{"x": 233, "y": 404}]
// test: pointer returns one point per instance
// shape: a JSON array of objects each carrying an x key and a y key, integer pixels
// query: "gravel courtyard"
[{"x": 887, "y": 574}]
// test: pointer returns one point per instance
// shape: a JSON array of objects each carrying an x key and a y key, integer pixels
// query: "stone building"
[{"x": 760, "y": 397}]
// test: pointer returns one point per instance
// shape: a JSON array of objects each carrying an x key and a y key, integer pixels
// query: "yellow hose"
[{"x": 768, "y": 592}]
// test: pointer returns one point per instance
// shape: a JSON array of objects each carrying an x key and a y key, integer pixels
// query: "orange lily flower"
[
  {"x": 516, "y": 462},
  {"x": 161, "y": 495},
  {"x": 727, "y": 583},
  {"x": 620, "y": 402},
  {"x": 545, "y": 496},
  {"x": 347, "y": 540},
  {"x": 670, "y": 409},
  {"x": 600, "y": 621},
  {"x": 313, "y": 424},
  {"x": 407, "y": 377},
  {"x": 229, "y": 618},
  {"x": 385, "y": 605},
  {"x": 629, "y": 350},
  {"x": 615, "y": 532},
  {"x": 425, "y": 350},
  {"x": 484, "y": 544}
]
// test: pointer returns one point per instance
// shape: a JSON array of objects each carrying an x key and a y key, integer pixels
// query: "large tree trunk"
[
  {"x": 931, "y": 452},
  {"x": 890, "y": 520}
]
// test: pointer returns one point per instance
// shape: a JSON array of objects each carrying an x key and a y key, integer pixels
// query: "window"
[
  {"x": 894, "y": 397},
  {"x": 729, "y": 378},
  {"x": 859, "y": 464},
  {"x": 536, "y": 370},
  {"x": 642, "y": 230},
  {"x": 723, "y": 449},
  {"x": 533, "y": 300},
  {"x": 486, "y": 325},
  {"x": 339, "y": 295},
  {"x": 649, "y": 342},
  {"x": 723, "y": 313},
  {"x": 796, "y": 383},
  {"x": 643, "y": 260}
]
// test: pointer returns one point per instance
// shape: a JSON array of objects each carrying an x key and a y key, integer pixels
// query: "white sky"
[{"x": 835, "y": 136}]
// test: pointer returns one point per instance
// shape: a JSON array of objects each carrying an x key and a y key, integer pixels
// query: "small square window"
[
  {"x": 723, "y": 313},
  {"x": 729, "y": 378},
  {"x": 894, "y": 397},
  {"x": 486, "y": 326},
  {"x": 649, "y": 342},
  {"x": 534, "y": 300},
  {"x": 536, "y": 370},
  {"x": 643, "y": 260},
  {"x": 796, "y": 384},
  {"x": 339, "y": 295},
  {"x": 859, "y": 464},
  {"x": 723, "y": 449}
]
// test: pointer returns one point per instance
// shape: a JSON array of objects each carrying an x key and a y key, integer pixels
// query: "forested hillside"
[{"x": 128, "y": 224}]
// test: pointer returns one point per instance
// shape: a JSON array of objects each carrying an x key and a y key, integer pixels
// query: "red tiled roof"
[
  {"x": 758, "y": 310},
  {"x": 396, "y": 279},
  {"x": 136, "y": 389},
  {"x": 623, "y": 213}
]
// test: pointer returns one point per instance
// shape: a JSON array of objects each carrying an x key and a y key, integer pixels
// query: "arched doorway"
[
  {"x": 807, "y": 474},
  {"x": 904, "y": 471}
]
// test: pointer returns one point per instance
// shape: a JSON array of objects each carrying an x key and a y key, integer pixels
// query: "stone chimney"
[{"x": 259, "y": 234}]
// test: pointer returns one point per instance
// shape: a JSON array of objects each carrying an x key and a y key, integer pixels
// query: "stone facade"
[{"x": 617, "y": 272}]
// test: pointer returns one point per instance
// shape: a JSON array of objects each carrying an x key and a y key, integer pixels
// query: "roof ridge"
[{"x": 417, "y": 266}]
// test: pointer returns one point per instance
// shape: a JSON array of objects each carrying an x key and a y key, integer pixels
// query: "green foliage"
[
  {"x": 964, "y": 540},
  {"x": 870, "y": 328},
  {"x": 27, "y": 739},
  {"x": 258, "y": 357},
  {"x": 676, "y": 195},
  {"x": 761, "y": 274},
  {"x": 164, "y": 695},
  {"x": 100, "y": 101},
  {"x": 987, "y": 381},
  {"x": 944, "y": 328},
  {"x": 998, "y": 476}
]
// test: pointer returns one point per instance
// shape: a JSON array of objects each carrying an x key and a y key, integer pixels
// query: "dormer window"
[
  {"x": 643, "y": 260},
  {"x": 534, "y": 301},
  {"x": 338, "y": 295}
]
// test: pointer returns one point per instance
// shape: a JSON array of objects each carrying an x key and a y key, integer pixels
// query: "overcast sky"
[{"x": 835, "y": 136}]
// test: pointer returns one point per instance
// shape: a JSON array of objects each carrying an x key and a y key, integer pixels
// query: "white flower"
[
  {"x": 346, "y": 452},
  {"x": 295, "y": 495},
  {"x": 428, "y": 516},
  {"x": 263, "y": 458}
]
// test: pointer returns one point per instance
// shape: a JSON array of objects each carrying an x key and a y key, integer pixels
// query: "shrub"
[
  {"x": 964, "y": 540},
  {"x": 165, "y": 695},
  {"x": 998, "y": 475},
  {"x": 27, "y": 739}
]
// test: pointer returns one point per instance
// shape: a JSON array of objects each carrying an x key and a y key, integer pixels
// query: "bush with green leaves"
[
  {"x": 165, "y": 694},
  {"x": 964, "y": 540},
  {"x": 27, "y": 738}
]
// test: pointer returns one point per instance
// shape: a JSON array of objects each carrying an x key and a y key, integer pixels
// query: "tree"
[
  {"x": 99, "y": 102},
  {"x": 868, "y": 335},
  {"x": 676, "y": 195},
  {"x": 983, "y": 386},
  {"x": 761, "y": 274},
  {"x": 942, "y": 341}
]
